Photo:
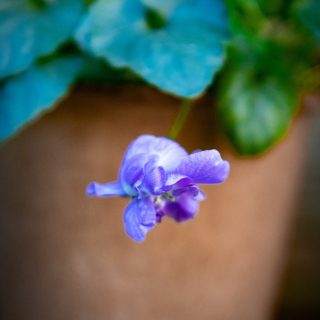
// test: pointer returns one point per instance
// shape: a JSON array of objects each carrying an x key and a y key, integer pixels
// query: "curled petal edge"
[
  {"x": 204, "y": 167},
  {"x": 105, "y": 190}
]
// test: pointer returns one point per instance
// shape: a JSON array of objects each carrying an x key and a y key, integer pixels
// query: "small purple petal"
[
  {"x": 177, "y": 179},
  {"x": 204, "y": 167},
  {"x": 155, "y": 176},
  {"x": 105, "y": 190},
  {"x": 170, "y": 152},
  {"x": 197, "y": 194},
  {"x": 179, "y": 191},
  {"x": 139, "y": 218},
  {"x": 132, "y": 172},
  {"x": 155, "y": 180},
  {"x": 139, "y": 145},
  {"x": 201, "y": 196},
  {"x": 183, "y": 209},
  {"x": 159, "y": 211},
  {"x": 165, "y": 189},
  {"x": 159, "y": 217}
]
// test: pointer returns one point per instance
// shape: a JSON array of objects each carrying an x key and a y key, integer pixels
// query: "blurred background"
[{"x": 299, "y": 295}]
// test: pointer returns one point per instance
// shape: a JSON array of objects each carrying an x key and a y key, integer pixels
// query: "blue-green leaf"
[
  {"x": 309, "y": 13},
  {"x": 181, "y": 57},
  {"x": 25, "y": 96},
  {"x": 30, "y": 28}
]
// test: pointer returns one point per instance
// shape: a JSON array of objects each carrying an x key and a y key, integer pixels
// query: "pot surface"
[{"x": 66, "y": 256}]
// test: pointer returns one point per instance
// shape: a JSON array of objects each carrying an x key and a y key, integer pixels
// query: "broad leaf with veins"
[
  {"x": 29, "y": 29},
  {"x": 27, "y": 95},
  {"x": 178, "y": 51}
]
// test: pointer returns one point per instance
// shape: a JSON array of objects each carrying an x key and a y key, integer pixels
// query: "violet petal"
[
  {"x": 139, "y": 218},
  {"x": 183, "y": 209},
  {"x": 105, "y": 190},
  {"x": 155, "y": 176},
  {"x": 132, "y": 172},
  {"x": 139, "y": 145},
  {"x": 204, "y": 167},
  {"x": 170, "y": 153},
  {"x": 177, "y": 179},
  {"x": 197, "y": 194}
]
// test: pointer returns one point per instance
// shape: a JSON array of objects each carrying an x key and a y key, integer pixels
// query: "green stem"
[{"x": 181, "y": 118}]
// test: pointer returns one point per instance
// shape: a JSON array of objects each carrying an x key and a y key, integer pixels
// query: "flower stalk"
[{"x": 181, "y": 118}]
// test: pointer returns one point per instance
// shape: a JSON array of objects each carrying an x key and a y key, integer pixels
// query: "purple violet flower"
[{"x": 161, "y": 178}]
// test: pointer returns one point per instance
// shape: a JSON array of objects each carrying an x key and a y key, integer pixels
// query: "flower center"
[
  {"x": 159, "y": 203},
  {"x": 165, "y": 196},
  {"x": 154, "y": 19}
]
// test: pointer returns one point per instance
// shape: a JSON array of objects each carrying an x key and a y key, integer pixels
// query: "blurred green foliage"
[
  {"x": 271, "y": 59},
  {"x": 309, "y": 13},
  {"x": 256, "y": 101}
]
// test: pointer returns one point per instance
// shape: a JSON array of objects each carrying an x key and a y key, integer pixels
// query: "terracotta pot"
[{"x": 66, "y": 256}]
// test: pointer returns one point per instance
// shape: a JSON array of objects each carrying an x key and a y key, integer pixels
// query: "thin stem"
[{"x": 181, "y": 118}]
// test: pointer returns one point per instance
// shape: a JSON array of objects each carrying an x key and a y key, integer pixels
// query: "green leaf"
[
  {"x": 276, "y": 7},
  {"x": 309, "y": 12},
  {"x": 246, "y": 17},
  {"x": 270, "y": 6},
  {"x": 27, "y": 95},
  {"x": 256, "y": 101}
]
